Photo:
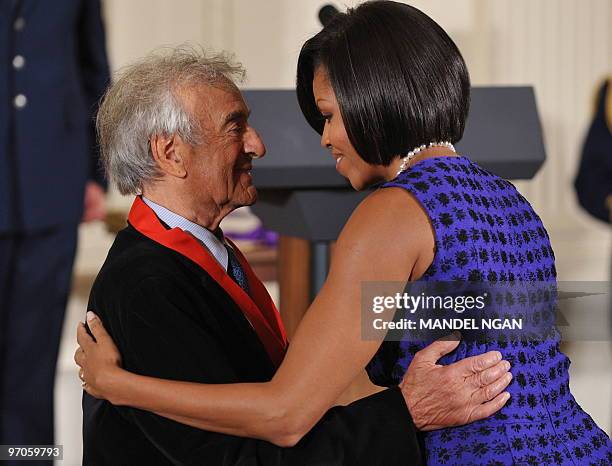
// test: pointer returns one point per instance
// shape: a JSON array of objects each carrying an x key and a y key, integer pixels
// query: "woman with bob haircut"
[{"x": 389, "y": 92}]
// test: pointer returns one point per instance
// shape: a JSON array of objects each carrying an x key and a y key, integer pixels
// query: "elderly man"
[{"x": 182, "y": 303}]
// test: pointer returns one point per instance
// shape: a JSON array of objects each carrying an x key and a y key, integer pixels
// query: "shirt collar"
[{"x": 204, "y": 236}]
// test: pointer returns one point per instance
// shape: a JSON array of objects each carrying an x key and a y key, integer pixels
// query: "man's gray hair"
[{"x": 144, "y": 101}]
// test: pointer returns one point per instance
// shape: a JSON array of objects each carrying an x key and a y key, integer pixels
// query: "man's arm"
[
  {"x": 95, "y": 74},
  {"x": 95, "y": 77}
]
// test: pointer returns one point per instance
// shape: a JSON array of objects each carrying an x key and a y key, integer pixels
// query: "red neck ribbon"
[{"x": 259, "y": 309}]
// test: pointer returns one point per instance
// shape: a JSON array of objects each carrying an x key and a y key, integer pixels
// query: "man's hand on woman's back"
[{"x": 465, "y": 391}]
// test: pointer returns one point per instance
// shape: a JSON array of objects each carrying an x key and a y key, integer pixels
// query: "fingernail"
[
  {"x": 508, "y": 376},
  {"x": 507, "y": 365},
  {"x": 90, "y": 316},
  {"x": 506, "y": 396},
  {"x": 498, "y": 356}
]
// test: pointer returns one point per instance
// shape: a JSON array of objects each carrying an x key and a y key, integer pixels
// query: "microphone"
[{"x": 327, "y": 13}]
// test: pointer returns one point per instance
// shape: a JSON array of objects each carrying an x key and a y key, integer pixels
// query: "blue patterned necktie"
[{"x": 234, "y": 269}]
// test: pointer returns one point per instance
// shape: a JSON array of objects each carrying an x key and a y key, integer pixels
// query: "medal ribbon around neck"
[{"x": 259, "y": 309}]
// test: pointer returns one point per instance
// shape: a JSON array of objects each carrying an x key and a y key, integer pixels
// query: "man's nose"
[{"x": 253, "y": 144}]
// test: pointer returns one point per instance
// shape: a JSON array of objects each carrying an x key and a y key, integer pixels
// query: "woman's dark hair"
[{"x": 400, "y": 81}]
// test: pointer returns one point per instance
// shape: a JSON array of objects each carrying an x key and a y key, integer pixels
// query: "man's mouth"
[{"x": 244, "y": 173}]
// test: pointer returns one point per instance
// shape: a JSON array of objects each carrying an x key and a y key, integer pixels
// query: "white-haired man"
[{"x": 182, "y": 303}]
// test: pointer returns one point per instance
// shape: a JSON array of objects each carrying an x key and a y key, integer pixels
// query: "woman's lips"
[{"x": 338, "y": 158}]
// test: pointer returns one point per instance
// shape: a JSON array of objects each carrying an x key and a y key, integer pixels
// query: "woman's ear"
[{"x": 168, "y": 154}]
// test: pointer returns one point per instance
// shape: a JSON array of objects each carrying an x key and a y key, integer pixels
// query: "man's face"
[{"x": 219, "y": 167}]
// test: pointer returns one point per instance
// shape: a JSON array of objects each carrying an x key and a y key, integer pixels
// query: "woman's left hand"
[{"x": 99, "y": 359}]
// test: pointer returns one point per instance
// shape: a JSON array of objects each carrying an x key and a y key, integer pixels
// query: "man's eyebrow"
[{"x": 236, "y": 115}]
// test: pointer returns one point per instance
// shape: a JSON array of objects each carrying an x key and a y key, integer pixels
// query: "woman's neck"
[{"x": 428, "y": 153}]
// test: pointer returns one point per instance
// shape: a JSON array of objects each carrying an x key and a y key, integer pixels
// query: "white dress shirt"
[{"x": 204, "y": 236}]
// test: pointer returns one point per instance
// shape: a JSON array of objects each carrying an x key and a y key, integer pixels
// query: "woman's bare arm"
[{"x": 388, "y": 238}]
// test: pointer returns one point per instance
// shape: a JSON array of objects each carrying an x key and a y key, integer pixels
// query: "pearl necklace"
[{"x": 413, "y": 153}]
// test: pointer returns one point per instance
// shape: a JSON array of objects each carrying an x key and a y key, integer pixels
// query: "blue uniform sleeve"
[
  {"x": 95, "y": 74},
  {"x": 593, "y": 182}
]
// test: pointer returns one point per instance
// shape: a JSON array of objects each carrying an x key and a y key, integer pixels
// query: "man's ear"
[{"x": 168, "y": 153}]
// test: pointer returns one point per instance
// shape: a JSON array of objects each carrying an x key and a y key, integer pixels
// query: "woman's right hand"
[{"x": 98, "y": 358}]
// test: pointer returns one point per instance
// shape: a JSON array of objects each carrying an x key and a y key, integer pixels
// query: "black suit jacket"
[
  {"x": 171, "y": 320},
  {"x": 47, "y": 146}
]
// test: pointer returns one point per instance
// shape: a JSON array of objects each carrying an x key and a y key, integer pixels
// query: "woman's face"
[{"x": 348, "y": 162}]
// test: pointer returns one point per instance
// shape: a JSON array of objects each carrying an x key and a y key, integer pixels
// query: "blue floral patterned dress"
[{"x": 486, "y": 231}]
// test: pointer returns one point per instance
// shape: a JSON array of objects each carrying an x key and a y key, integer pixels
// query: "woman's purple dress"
[{"x": 487, "y": 232}]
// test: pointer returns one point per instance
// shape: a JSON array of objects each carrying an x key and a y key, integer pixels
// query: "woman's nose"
[{"x": 325, "y": 136}]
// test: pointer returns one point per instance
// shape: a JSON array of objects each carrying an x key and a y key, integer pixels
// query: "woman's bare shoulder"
[
  {"x": 388, "y": 211},
  {"x": 389, "y": 228}
]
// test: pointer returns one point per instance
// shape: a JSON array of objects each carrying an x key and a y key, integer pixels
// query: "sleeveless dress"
[{"x": 485, "y": 231}]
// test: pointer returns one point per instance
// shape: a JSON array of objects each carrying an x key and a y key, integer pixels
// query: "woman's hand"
[{"x": 99, "y": 359}]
